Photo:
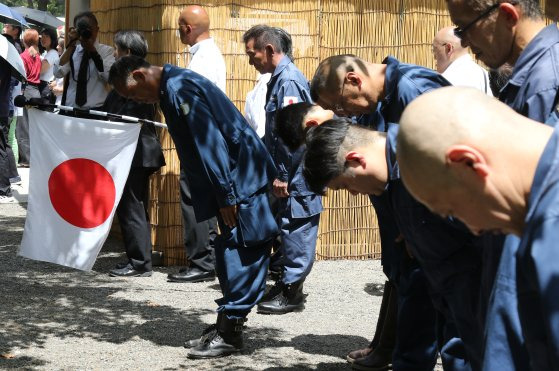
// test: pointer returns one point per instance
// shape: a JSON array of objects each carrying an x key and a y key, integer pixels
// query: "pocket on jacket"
[{"x": 256, "y": 224}]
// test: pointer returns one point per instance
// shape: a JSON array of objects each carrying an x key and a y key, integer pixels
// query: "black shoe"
[
  {"x": 290, "y": 299},
  {"x": 228, "y": 339},
  {"x": 206, "y": 334},
  {"x": 378, "y": 360},
  {"x": 128, "y": 271},
  {"x": 192, "y": 274},
  {"x": 272, "y": 292},
  {"x": 122, "y": 265}
]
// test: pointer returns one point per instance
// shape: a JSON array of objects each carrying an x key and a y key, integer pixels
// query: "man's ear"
[
  {"x": 467, "y": 158},
  {"x": 510, "y": 12},
  {"x": 448, "y": 48},
  {"x": 138, "y": 75},
  {"x": 353, "y": 78},
  {"x": 356, "y": 158},
  {"x": 310, "y": 123},
  {"x": 269, "y": 49}
]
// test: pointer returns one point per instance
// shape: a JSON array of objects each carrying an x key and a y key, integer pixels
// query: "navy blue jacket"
[
  {"x": 403, "y": 83},
  {"x": 534, "y": 83},
  {"x": 223, "y": 157},
  {"x": 443, "y": 245},
  {"x": 538, "y": 263},
  {"x": 288, "y": 85}
]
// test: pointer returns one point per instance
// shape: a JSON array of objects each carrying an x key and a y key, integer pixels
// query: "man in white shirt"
[
  {"x": 205, "y": 56},
  {"x": 255, "y": 102},
  {"x": 455, "y": 64},
  {"x": 206, "y": 60},
  {"x": 86, "y": 84}
]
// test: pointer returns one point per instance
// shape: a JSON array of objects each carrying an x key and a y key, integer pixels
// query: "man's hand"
[
  {"x": 280, "y": 188},
  {"x": 229, "y": 215}
]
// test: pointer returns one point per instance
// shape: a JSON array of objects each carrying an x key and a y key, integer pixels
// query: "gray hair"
[
  {"x": 275, "y": 36},
  {"x": 133, "y": 41}
]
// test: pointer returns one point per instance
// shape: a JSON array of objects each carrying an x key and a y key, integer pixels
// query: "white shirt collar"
[{"x": 194, "y": 48}]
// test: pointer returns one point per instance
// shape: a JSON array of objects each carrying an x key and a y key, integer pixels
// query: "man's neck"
[
  {"x": 526, "y": 158},
  {"x": 525, "y": 32},
  {"x": 203, "y": 36},
  {"x": 377, "y": 73},
  {"x": 276, "y": 60},
  {"x": 455, "y": 56}
]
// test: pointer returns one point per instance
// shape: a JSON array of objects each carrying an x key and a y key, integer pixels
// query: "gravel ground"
[{"x": 54, "y": 318}]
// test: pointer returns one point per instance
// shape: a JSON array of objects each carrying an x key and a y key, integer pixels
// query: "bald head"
[
  {"x": 194, "y": 25},
  {"x": 461, "y": 152},
  {"x": 445, "y": 117},
  {"x": 446, "y": 48}
]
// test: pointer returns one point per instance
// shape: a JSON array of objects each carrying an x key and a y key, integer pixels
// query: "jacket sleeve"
[
  {"x": 542, "y": 261},
  {"x": 289, "y": 93},
  {"x": 210, "y": 143}
]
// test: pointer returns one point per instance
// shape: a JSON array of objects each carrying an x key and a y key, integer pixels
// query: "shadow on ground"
[{"x": 42, "y": 300}]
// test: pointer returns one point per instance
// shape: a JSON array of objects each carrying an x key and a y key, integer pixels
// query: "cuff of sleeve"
[{"x": 229, "y": 200}]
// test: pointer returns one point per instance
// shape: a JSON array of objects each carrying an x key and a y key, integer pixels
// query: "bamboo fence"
[{"x": 370, "y": 29}]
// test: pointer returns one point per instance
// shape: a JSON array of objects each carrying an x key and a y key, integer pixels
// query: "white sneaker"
[{"x": 7, "y": 199}]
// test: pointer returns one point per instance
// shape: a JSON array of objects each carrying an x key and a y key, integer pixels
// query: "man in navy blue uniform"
[
  {"x": 298, "y": 209},
  {"x": 345, "y": 156},
  {"x": 351, "y": 86},
  {"x": 228, "y": 169},
  {"x": 509, "y": 185},
  {"x": 512, "y": 32}
]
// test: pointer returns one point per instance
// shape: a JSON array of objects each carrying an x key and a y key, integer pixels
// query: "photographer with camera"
[{"x": 86, "y": 64}]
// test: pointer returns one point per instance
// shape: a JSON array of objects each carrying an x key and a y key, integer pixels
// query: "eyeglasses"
[{"x": 461, "y": 31}]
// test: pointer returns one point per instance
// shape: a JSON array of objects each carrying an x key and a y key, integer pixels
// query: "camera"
[{"x": 83, "y": 29}]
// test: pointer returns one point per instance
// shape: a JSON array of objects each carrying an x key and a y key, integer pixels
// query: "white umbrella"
[{"x": 9, "y": 53}]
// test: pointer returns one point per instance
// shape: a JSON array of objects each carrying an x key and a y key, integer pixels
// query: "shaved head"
[
  {"x": 194, "y": 24},
  {"x": 448, "y": 116},
  {"x": 462, "y": 152},
  {"x": 447, "y": 47}
]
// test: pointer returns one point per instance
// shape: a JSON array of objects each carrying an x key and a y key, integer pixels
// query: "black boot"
[
  {"x": 272, "y": 292},
  {"x": 380, "y": 358},
  {"x": 208, "y": 332},
  {"x": 228, "y": 339},
  {"x": 290, "y": 299}
]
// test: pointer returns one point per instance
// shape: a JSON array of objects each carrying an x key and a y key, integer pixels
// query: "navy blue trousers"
[{"x": 241, "y": 269}]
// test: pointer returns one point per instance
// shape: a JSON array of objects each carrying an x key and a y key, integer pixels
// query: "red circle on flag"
[{"x": 82, "y": 192}]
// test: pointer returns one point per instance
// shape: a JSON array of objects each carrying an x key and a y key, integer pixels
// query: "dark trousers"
[
  {"x": 242, "y": 270},
  {"x": 134, "y": 220},
  {"x": 5, "y": 189},
  {"x": 12, "y": 167},
  {"x": 198, "y": 237},
  {"x": 416, "y": 332},
  {"x": 22, "y": 127}
]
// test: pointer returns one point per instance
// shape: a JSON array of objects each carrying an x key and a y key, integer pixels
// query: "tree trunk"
[
  {"x": 30, "y": 4},
  {"x": 42, "y": 4}
]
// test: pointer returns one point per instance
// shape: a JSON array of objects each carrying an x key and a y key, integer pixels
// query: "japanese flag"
[{"x": 78, "y": 170}]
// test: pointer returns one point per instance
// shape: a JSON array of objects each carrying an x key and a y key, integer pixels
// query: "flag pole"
[{"x": 21, "y": 101}]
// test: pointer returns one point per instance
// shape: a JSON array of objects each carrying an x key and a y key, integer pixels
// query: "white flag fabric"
[{"x": 78, "y": 171}]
